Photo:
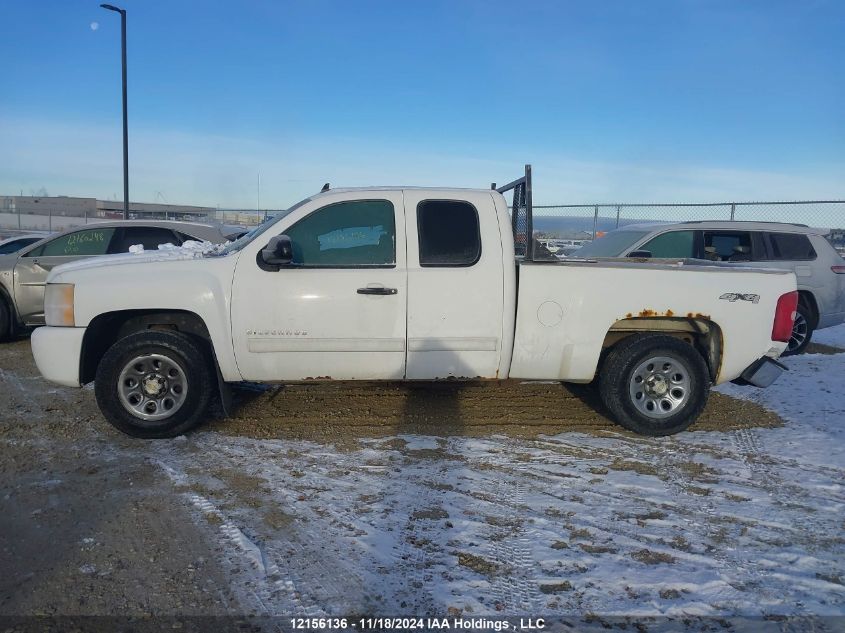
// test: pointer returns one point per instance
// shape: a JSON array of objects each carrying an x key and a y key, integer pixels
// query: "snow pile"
[{"x": 188, "y": 246}]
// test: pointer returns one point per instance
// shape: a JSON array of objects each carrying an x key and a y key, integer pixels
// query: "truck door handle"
[{"x": 377, "y": 290}]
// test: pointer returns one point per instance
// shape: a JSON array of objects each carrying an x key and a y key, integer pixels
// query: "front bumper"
[
  {"x": 762, "y": 372},
  {"x": 57, "y": 351}
]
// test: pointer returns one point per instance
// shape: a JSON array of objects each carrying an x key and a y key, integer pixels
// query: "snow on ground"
[
  {"x": 748, "y": 521},
  {"x": 745, "y": 522},
  {"x": 811, "y": 396}
]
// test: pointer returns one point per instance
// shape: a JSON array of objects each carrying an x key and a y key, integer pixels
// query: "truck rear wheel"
[
  {"x": 154, "y": 384},
  {"x": 654, "y": 384}
]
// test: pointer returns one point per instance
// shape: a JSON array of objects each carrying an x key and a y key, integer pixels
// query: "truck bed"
[{"x": 566, "y": 309}]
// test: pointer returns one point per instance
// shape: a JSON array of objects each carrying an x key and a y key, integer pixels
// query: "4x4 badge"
[{"x": 736, "y": 296}]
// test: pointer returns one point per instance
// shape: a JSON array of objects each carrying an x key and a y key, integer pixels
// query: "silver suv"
[
  {"x": 819, "y": 268},
  {"x": 23, "y": 273}
]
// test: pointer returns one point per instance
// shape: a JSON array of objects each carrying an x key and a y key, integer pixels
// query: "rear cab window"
[{"x": 449, "y": 233}]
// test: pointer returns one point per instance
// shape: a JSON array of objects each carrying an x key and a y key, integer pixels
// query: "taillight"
[
  {"x": 839, "y": 270},
  {"x": 785, "y": 316}
]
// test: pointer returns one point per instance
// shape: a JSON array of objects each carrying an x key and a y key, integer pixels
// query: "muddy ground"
[
  {"x": 399, "y": 487},
  {"x": 339, "y": 413}
]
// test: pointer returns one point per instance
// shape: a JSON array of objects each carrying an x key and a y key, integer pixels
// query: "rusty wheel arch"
[{"x": 696, "y": 329}]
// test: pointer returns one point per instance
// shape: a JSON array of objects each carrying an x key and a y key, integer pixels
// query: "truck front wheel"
[
  {"x": 654, "y": 384},
  {"x": 154, "y": 384}
]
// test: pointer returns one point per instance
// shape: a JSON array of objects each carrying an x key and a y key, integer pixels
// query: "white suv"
[{"x": 819, "y": 268}]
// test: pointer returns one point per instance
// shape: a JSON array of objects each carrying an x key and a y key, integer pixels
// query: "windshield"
[
  {"x": 611, "y": 245},
  {"x": 246, "y": 238}
]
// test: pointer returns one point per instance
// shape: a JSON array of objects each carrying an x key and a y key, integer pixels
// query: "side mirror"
[
  {"x": 278, "y": 252},
  {"x": 640, "y": 254}
]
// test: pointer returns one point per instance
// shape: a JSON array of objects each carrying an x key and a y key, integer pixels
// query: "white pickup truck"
[{"x": 406, "y": 283}]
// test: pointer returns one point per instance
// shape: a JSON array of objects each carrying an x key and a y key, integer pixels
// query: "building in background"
[{"x": 57, "y": 213}]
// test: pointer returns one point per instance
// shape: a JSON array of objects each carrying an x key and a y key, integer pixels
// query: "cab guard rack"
[{"x": 522, "y": 221}]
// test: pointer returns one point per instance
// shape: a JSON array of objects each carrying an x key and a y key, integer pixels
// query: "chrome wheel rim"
[
  {"x": 799, "y": 333},
  {"x": 660, "y": 386},
  {"x": 152, "y": 387}
]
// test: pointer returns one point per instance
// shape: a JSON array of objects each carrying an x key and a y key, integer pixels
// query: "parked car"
[
  {"x": 414, "y": 284},
  {"x": 566, "y": 251},
  {"x": 233, "y": 231},
  {"x": 24, "y": 272},
  {"x": 805, "y": 251},
  {"x": 17, "y": 242}
]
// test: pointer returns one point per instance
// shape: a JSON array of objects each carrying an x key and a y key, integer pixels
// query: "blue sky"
[{"x": 611, "y": 101}]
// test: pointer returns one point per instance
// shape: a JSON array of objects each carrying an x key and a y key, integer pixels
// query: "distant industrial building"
[
  {"x": 57, "y": 213},
  {"x": 102, "y": 209}
]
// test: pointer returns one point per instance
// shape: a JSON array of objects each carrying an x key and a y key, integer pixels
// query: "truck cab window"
[
  {"x": 448, "y": 233},
  {"x": 672, "y": 244},
  {"x": 346, "y": 234}
]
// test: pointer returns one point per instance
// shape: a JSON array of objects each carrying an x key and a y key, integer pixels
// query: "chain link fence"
[{"x": 576, "y": 224}]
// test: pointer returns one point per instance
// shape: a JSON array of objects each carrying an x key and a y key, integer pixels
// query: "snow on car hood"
[{"x": 166, "y": 252}]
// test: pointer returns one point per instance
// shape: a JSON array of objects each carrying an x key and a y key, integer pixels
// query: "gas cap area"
[{"x": 549, "y": 314}]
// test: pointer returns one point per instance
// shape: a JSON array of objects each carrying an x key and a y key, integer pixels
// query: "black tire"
[
  {"x": 802, "y": 330},
  {"x": 675, "y": 403},
  {"x": 178, "y": 353},
  {"x": 5, "y": 320}
]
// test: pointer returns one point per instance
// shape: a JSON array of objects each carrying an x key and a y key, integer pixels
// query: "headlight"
[{"x": 58, "y": 305}]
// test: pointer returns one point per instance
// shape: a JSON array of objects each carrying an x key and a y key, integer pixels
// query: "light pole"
[{"x": 122, "y": 13}]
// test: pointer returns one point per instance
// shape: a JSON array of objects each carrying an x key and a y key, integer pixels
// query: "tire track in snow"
[
  {"x": 416, "y": 554},
  {"x": 320, "y": 559},
  {"x": 273, "y": 590},
  {"x": 514, "y": 587}
]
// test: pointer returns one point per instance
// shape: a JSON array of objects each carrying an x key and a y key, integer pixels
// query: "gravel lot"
[{"x": 503, "y": 499}]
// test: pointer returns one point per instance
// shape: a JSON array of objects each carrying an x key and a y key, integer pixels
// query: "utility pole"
[{"x": 122, "y": 13}]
